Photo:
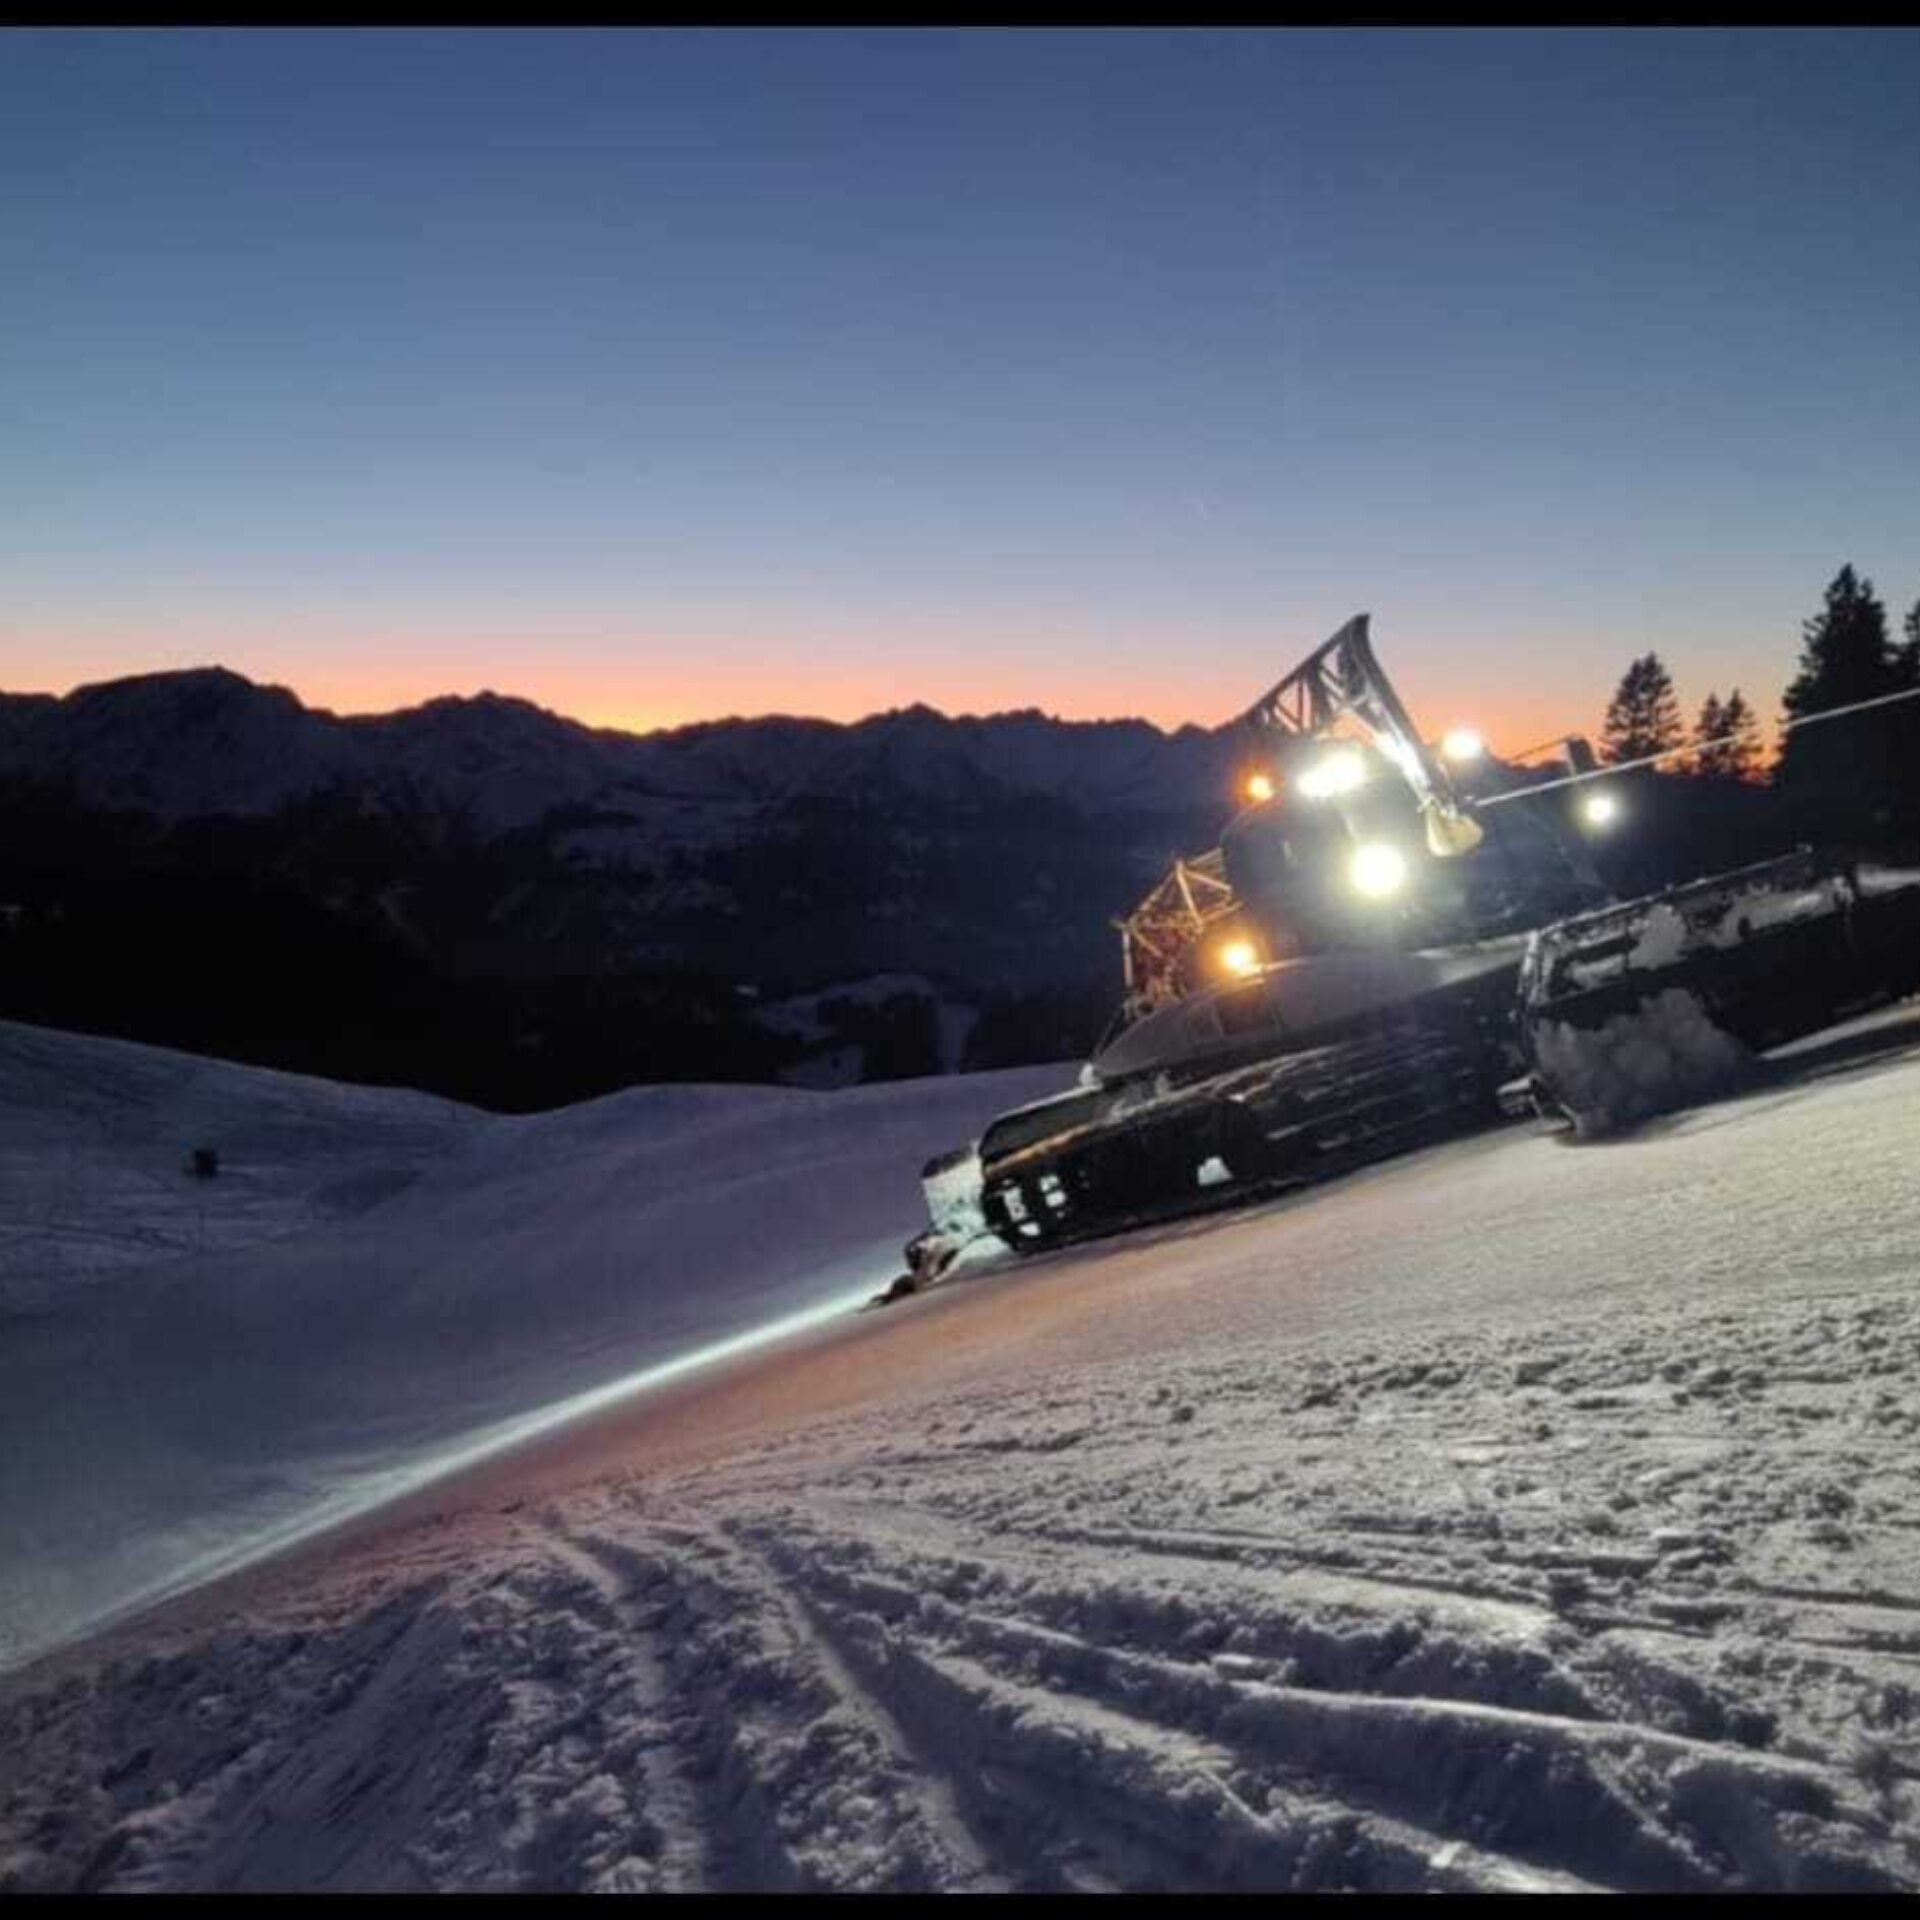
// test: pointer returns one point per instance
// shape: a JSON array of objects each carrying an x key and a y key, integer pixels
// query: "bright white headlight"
[
  {"x": 1377, "y": 870},
  {"x": 1339, "y": 771},
  {"x": 1461, "y": 744},
  {"x": 1600, "y": 809}
]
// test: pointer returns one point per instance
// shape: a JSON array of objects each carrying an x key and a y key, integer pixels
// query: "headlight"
[
  {"x": 1462, "y": 744},
  {"x": 1377, "y": 870},
  {"x": 1259, "y": 787},
  {"x": 1600, "y": 809},
  {"x": 1239, "y": 957},
  {"x": 1337, "y": 772}
]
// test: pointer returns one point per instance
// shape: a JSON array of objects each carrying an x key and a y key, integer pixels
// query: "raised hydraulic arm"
[{"x": 1342, "y": 680}]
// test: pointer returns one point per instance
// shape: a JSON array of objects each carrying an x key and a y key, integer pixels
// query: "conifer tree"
[
  {"x": 1844, "y": 654},
  {"x": 1904, "y": 727},
  {"x": 1742, "y": 750},
  {"x": 1846, "y": 775},
  {"x": 1907, "y": 656},
  {"x": 1644, "y": 715},
  {"x": 1727, "y": 738},
  {"x": 1708, "y": 731}
]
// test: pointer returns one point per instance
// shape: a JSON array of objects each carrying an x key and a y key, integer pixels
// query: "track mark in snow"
[
  {"x": 940, "y": 1795},
  {"x": 679, "y": 1815},
  {"x": 1105, "y": 1791},
  {"x": 1364, "y": 1746},
  {"x": 1330, "y": 1567},
  {"x": 816, "y": 1782},
  {"x": 1325, "y": 1680}
]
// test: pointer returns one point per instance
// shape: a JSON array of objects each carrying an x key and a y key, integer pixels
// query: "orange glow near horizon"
[
  {"x": 675, "y": 682},
  {"x": 702, "y": 680}
]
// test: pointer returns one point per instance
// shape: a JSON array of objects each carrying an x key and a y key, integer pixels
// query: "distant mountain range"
[
  {"x": 486, "y": 847},
  {"x": 208, "y": 741}
]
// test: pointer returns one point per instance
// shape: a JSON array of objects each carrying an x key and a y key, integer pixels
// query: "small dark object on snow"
[{"x": 205, "y": 1163}]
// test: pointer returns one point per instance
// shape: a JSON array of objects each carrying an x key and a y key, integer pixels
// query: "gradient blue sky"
[{"x": 659, "y": 374}]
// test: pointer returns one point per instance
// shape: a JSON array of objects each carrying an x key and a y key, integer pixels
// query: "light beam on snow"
[
  {"x": 512, "y": 1433},
  {"x": 365, "y": 1491}
]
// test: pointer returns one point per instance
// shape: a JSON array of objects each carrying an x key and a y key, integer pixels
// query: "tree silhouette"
[
  {"x": 1643, "y": 716},
  {"x": 1845, "y": 654},
  {"x": 1851, "y": 775},
  {"x": 1903, "y": 722},
  {"x": 1726, "y": 738},
  {"x": 1710, "y": 728}
]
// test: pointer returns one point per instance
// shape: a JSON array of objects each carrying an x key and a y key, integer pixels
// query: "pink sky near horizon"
[
  {"x": 1516, "y": 694},
  {"x": 649, "y": 702},
  {"x": 669, "y": 377}
]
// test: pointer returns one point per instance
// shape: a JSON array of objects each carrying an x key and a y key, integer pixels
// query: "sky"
[{"x": 658, "y": 374}]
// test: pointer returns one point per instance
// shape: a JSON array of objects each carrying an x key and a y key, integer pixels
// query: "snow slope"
[
  {"x": 1519, "y": 1514},
  {"x": 376, "y": 1280},
  {"x": 96, "y": 1136}
]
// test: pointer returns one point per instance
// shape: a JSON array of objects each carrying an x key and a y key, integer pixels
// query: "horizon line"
[{"x": 307, "y": 705}]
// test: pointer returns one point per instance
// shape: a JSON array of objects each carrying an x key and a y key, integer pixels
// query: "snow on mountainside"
[
  {"x": 374, "y": 1277},
  {"x": 176, "y": 743},
  {"x": 96, "y": 1141},
  {"x": 1519, "y": 1514},
  {"x": 210, "y": 741},
  {"x": 487, "y": 856},
  {"x": 819, "y": 1021}
]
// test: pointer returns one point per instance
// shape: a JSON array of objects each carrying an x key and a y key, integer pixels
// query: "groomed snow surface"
[{"x": 1523, "y": 1513}]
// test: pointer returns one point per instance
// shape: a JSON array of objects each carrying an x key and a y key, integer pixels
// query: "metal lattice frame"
[
  {"x": 1342, "y": 680},
  {"x": 1339, "y": 680},
  {"x": 1161, "y": 932}
]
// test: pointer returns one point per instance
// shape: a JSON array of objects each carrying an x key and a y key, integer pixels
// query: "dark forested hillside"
[{"x": 483, "y": 899}]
